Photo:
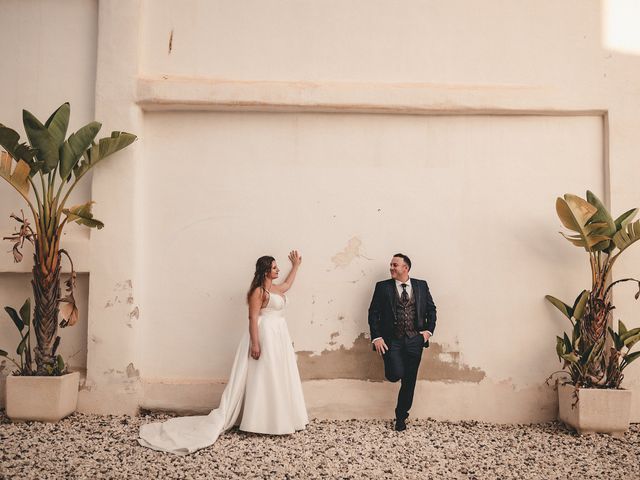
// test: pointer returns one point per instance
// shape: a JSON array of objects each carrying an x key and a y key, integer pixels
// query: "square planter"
[
  {"x": 46, "y": 399},
  {"x": 597, "y": 410}
]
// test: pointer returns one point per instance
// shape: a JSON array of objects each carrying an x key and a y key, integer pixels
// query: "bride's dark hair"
[{"x": 263, "y": 267}]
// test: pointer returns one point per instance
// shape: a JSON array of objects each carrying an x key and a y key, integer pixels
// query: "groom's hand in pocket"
[{"x": 381, "y": 347}]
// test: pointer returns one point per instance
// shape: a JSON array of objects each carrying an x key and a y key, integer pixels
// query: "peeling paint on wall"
[
  {"x": 351, "y": 251},
  {"x": 360, "y": 362},
  {"x": 132, "y": 372},
  {"x": 362, "y": 275},
  {"x": 446, "y": 366},
  {"x": 127, "y": 288},
  {"x": 84, "y": 386}
]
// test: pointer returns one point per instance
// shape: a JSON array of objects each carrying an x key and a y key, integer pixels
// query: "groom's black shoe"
[{"x": 400, "y": 425}]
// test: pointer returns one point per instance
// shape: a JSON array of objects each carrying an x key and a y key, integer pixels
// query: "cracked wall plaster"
[{"x": 360, "y": 362}]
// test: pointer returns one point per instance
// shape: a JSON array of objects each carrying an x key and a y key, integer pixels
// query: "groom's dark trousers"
[{"x": 399, "y": 322}]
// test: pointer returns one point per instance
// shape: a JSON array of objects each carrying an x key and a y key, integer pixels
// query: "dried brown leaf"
[
  {"x": 68, "y": 311},
  {"x": 17, "y": 254},
  {"x": 24, "y": 233},
  {"x": 68, "y": 307}
]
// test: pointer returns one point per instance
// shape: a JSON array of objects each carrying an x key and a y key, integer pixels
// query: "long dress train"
[{"x": 267, "y": 391}]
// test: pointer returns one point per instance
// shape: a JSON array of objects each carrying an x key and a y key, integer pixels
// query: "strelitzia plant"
[
  {"x": 592, "y": 358},
  {"x": 44, "y": 172}
]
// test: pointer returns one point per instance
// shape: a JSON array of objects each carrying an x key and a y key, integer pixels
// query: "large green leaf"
[
  {"x": 622, "y": 328},
  {"x": 618, "y": 343},
  {"x": 586, "y": 356},
  {"x": 82, "y": 215},
  {"x": 60, "y": 364},
  {"x": 627, "y": 235},
  {"x": 593, "y": 241},
  {"x": 575, "y": 335},
  {"x": 22, "y": 345},
  {"x": 75, "y": 146},
  {"x": 10, "y": 141},
  {"x": 58, "y": 123},
  {"x": 15, "y": 317},
  {"x": 105, "y": 147},
  {"x": 117, "y": 141},
  {"x": 560, "y": 347},
  {"x": 579, "y": 304},
  {"x": 566, "y": 310},
  {"x": 630, "y": 357},
  {"x": 631, "y": 341},
  {"x": 624, "y": 219},
  {"x": 571, "y": 357},
  {"x": 575, "y": 214},
  {"x": 629, "y": 333},
  {"x": 602, "y": 215},
  {"x": 568, "y": 347},
  {"x": 42, "y": 140},
  {"x": 25, "y": 312},
  {"x": 603, "y": 218}
]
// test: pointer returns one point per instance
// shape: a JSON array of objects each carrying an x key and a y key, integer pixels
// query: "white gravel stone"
[{"x": 96, "y": 447}]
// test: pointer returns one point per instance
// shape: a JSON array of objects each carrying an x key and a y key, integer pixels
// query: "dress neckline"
[{"x": 276, "y": 293}]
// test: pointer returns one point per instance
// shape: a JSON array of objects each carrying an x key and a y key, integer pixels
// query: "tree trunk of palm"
[
  {"x": 46, "y": 292},
  {"x": 594, "y": 330}
]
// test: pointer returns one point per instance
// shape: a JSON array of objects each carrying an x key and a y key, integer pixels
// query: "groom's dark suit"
[{"x": 399, "y": 322}]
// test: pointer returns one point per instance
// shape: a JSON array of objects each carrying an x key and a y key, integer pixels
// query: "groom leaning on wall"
[{"x": 402, "y": 318}]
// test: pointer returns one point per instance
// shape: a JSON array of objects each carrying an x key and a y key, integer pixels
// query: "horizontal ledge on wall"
[
  {"x": 76, "y": 245},
  {"x": 351, "y": 399},
  {"x": 167, "y": 93}
]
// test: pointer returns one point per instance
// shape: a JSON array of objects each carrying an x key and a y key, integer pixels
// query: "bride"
[{"x": 264, "y": 386}]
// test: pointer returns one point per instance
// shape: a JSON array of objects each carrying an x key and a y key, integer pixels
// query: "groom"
[{"x": 402, "y": 318}]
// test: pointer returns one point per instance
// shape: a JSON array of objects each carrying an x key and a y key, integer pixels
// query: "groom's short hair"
[{"x": 406, "y": 259}]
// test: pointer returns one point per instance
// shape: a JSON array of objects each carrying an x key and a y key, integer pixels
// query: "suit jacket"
[{"x": 382, "y": 311}]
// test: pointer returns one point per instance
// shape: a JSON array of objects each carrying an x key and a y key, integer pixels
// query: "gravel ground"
[{"x": 91, "y": 446}]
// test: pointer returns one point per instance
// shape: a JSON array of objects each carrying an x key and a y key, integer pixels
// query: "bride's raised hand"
[{"x": 295, "y": 257}]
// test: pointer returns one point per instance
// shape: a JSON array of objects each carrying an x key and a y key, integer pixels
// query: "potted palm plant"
[
  {"x": 595, "y": 352},
  {"x": 44, "y": 171}
]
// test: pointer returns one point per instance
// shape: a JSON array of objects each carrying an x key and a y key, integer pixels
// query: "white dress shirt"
[{"x": 399, "y": 287}]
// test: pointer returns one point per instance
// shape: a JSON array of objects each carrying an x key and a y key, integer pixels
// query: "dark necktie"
[{"x": 405, "y": 296}]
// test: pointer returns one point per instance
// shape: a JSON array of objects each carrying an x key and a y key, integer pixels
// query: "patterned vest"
[{"x": 406, "y": 316}]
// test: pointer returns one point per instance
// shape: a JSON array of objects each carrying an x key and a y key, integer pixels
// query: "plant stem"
[
  {"x": 593, "y": 268},
  {"x": 64, "y": 199},
  {"x": 35, "y": 191},
  {"x": 44, "y": 203}
]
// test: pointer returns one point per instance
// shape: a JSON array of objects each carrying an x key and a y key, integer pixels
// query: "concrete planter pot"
[
  {"x": 597, "y": 410},
  {"x": 45, "y": 399}
]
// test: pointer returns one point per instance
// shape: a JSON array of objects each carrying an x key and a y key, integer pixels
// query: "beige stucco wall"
[{"x": 351, "y": 130}]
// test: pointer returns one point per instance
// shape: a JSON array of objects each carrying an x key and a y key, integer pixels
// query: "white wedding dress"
[{"x": 266, "y": 391}]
